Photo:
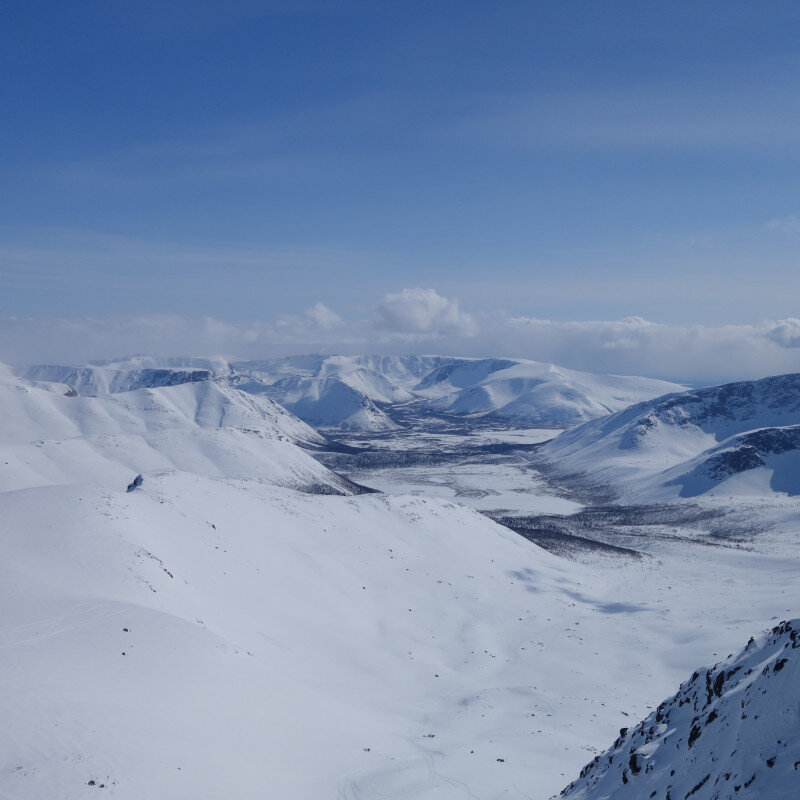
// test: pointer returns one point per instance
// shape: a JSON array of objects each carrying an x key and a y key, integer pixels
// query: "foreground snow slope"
[
  {"x": 48, "y": 437},
  {"x": 736, "y": 439},
  {"x": 207, "y": 638},
  {"x": 731, "y": 731},
  {"x": 355, "y": 392}
]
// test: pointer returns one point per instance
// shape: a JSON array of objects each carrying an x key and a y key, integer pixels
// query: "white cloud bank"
[
  {"x": 421, "y": 320},
  {"x": 423, "y": 311}
]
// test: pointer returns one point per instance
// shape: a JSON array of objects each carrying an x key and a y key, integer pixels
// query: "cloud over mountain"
[
  {"x": 423, "y": 311},
  {"x": 422, "y": 320}
]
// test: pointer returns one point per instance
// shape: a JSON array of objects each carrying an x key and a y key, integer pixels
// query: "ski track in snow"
[{"x": 71, "y": 619}]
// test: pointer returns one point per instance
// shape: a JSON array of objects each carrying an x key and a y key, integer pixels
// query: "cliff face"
[{"x": 731, "y": 731}]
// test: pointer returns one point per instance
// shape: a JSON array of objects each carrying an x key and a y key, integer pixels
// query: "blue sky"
[{"x": 243, "y": 160}]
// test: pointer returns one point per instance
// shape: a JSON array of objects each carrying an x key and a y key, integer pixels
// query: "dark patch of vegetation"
[{"x": 553, "y": 534}]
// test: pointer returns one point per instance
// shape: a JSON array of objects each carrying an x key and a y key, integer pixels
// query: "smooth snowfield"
[{"x": 730, "y": 732}]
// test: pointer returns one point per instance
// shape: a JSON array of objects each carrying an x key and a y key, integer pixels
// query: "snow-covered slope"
[
  {"x": 753, "y": 463},
  {"x": 739, "y": 438},
  {"x": 207, "y": 639},
  {"x": 462, "y": 373},
  {"x": 525, "y": 393},
  {"x": 403, "y": 372},
  {"x": 325, "y": 403},
  {"x": 337, "y": 391},
  {"x": 97, "y": 381},
  {"x": 731, "y": 731},
  {"x": 55, "y": 438},
  {"x": 215, "y": 637},
  {"x": 531, "y": 393}
]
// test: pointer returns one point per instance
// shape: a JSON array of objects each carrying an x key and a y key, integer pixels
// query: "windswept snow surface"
[
  {"x": 739, "y": 439},
  {"x": 731, "y": 731},
  {"x": 361, "y": 392}
]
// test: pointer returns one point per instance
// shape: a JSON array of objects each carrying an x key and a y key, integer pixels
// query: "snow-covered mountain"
[
  {"x": 344, "y": 392},
  {"x": 98, "y": 381},
  {"x": 531, "y": 393},
  {"x": 730, "y": 732},
  {"x": 324, "y": 402},
  {"x": 56, "y": 437},
  {"x": 359, "y": 392},
  {"x": 736, "y": 439}
]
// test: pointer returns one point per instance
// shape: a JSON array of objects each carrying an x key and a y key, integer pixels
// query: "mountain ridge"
[
  {"x": 691, "y": 443},
  {"x": 361, "y": 392},
  {"x": 56, "y": 437},
  {"x": 733, "y": 727}
]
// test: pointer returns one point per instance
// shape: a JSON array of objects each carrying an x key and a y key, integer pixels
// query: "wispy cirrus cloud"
[
  {"x": 748, "y": 114},
  {"x": 789, "y": 225}
]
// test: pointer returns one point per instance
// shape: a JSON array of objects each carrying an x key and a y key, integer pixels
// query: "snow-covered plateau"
[{"x": 251, "y": 622}]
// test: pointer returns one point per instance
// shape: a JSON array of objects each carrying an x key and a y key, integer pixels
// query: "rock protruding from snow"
[{"x": 731, "y": 731}]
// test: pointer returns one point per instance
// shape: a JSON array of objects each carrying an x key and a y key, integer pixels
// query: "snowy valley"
[{"x": 394, "y": 577}]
